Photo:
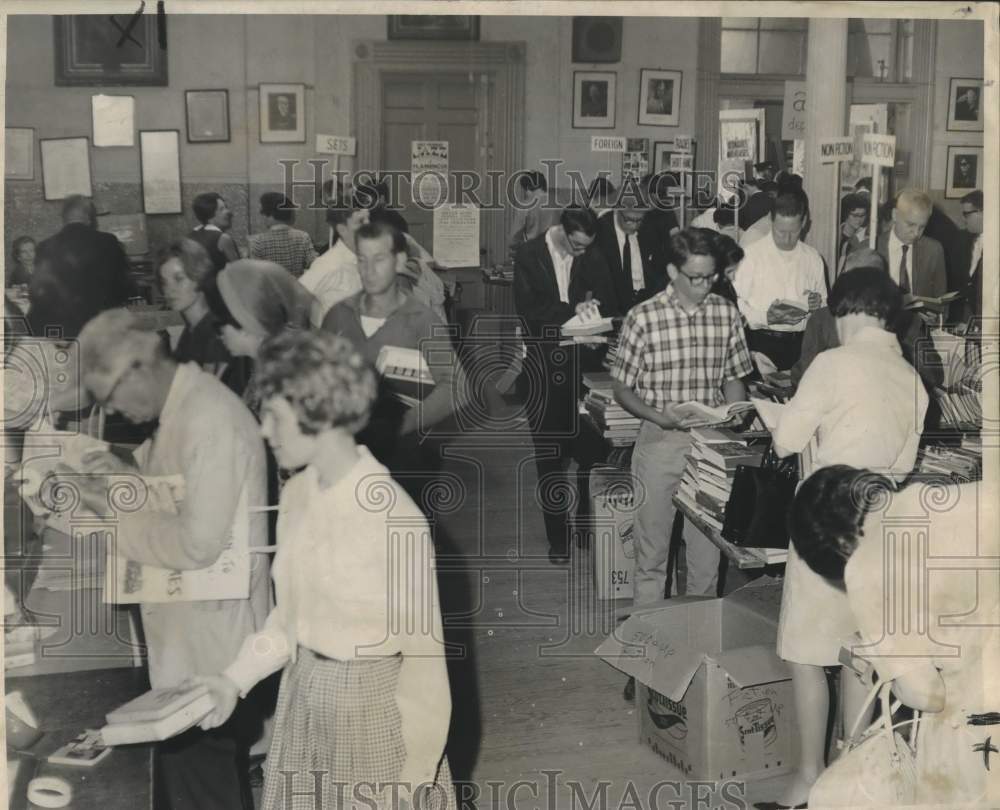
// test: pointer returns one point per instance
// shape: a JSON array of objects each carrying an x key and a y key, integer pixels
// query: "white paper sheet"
[{"x": 114, "y": 120}]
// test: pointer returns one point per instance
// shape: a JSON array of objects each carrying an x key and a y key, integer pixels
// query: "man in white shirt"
[
  {"x": 779, "y": 282},
  {"x": 334, "y": 276}
]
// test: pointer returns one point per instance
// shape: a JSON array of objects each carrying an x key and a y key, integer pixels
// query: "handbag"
[
  {"x": 877, "y": 767},
  {"x": 758, "y": 503}
]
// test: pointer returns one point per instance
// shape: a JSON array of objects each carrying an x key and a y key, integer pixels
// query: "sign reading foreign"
[{"x": 605, "y": 143}]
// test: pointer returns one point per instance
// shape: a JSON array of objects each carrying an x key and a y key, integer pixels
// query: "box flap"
[
  {"x": 761, "y": 596},
  {"x": 752, "y": 666},
  {"x": 652, "y": 647}
]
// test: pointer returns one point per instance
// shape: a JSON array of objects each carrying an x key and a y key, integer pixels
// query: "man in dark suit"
[
  {"x": 634, "y": 255},
  {"x": 555, "y": 275},
  {"x": 79, "y": 272},
  {"x": 967, "y": 262},
  {"x": 916, "y": 262}
]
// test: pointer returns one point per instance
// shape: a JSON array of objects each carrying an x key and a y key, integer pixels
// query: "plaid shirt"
[
  {"x": 289, "y": 247},
  {"x": 666, "y": 355}
]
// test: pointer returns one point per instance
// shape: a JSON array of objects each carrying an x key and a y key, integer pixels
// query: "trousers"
[{"x": 657, "y": 465}]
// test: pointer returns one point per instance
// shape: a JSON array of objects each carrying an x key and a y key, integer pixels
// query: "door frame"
[{"x": 503, "y": 65}]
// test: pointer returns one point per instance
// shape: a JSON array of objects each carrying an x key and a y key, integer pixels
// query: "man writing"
[
  {"x": 779, "y": 282},
  {"x": 206, "y": 435}
]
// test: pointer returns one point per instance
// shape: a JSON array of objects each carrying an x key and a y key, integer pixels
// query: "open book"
[
  {"x": 713, "y": 416},
  {"x": 921, "y": 301},
  {"x": 587, "y": 322}
]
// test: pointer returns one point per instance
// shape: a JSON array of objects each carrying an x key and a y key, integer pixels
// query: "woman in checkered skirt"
[{"x": 364, "y": 705}]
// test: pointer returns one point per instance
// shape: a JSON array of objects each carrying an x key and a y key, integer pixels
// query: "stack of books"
[
  {"x": 157, "y": 715},
  {"x": 962, "y": 464},
  {"x": 615, "y": 423},
  {"x": 405, "y": 372},
  {"x": 711, "y": 466},
  {"x": 586, "y": 327},
  {"x": 502, "y": 272},
  {"x": 961, "y": 408}
]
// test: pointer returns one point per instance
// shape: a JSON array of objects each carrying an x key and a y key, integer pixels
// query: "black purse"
[{"x": 757, "y": 510}]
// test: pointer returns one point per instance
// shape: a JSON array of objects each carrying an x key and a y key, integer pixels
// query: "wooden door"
[{"x": 432, "y": 107}]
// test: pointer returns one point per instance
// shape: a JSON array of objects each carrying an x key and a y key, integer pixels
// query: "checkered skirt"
[{"x": 340, "y": 718}]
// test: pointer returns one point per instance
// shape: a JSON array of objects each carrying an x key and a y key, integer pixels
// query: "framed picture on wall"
[
  {"x": 594, "y": 99},
  {"x": 433, "y": 26},
  {"x": 160, "y": 169},
  {"x": 965, "y": 105},
  {"x": 65, "y": 167},
  {"x": 597, "y": 39},
  {"x": 965, "y": 171},
  {"x": 19, "y": 153},
  {"x": 91, "y": 50},
  {"x": 659, "y": 98},
  {"x": 207, "y": 116},
  {"x": 282, "y": 113}
]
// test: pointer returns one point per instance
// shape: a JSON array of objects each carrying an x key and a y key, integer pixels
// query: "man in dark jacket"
[{"x": 79, "y": 272}]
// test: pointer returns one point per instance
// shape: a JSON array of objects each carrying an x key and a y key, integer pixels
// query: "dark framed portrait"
[
  {"x": 434, "y": 26},
  {"x": 597, "y": 39},
  {"x": 965, "y": 171},
  {"x": 594, "y": 99},
  {"x": 659, "y": 98},
  {"x": 207, "y": 116},
  {"x": 282, "y": 113},
  {"x": 87, "y": 51},
  {"x": 965, "y": 105}
]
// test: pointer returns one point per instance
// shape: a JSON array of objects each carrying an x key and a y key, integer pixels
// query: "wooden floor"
[{"x": 529, "y": 694}]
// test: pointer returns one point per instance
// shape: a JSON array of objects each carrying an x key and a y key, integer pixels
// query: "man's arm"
[
  {"x": 746, "y": 295},
  {"x": 802, "y": 415},
  {"x": 534, "y": 302},
  {"x": 817, "y": 338}
]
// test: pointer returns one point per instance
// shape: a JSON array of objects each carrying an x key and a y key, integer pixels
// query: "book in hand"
[
  {"x": 587, "y": 322},
  {"x": 708, "y": 415},
  {"x": 922, "y": 301},
  {"x": 84, "y": 752},
  {"x": 405, "y": 373},
  {"x": 157, "y": 715}
]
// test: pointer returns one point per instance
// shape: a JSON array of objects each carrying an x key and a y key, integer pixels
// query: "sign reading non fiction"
[
  {"x": 836, "y": 150},
  {"x": 879, "y": 149}
]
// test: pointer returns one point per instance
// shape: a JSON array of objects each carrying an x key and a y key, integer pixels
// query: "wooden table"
[{"x": 66, "y": 704}]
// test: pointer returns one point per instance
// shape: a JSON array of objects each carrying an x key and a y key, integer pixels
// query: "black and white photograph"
[
  {"x": 493, "y": 406},
  {"x": 659, "y": 98},
  {"x": 282, "y": 113},
  {"x": 965, "y": 109},
  {"x": 594, "y": 99}
]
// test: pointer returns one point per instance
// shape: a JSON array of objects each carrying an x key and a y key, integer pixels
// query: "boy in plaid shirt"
[{"x": 684, "y": 344}]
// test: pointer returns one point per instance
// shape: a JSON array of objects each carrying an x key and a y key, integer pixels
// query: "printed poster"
[
  {"x": 429, "y": 173},
  {"x": 456, "y": 235}
]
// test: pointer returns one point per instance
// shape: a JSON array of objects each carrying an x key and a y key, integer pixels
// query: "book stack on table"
[
  {"x": 615, "y": 423},
  {"x": 708, "y": 478},
  {"x": 157, "y": 715},
  {"x": 962, "y": 464}
]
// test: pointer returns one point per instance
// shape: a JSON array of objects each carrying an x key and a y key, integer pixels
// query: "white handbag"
[{"x": 877, "y": 767}]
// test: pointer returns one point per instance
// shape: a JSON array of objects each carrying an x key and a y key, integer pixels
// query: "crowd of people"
[{"x": 281, "y": 342}]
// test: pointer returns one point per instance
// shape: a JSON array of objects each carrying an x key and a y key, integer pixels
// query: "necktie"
[
  {"x": 627, "y": 262},
  {"x": 904, "y": 276}
]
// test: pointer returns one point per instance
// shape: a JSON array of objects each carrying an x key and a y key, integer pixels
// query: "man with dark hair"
[
  {"x": 382, "y": 210},
  {"x": 531, "y": 216},
  {"x": 215, "y": 219},
  {"x": 281, "y": 243},
  {"x": 334, "y": 276},
  {"x": 79, "y": 272},
  {"x": 634, "y": 255},
  {"x": 556, "y": 274},
  {"x": 968, "y": 261},
  {"x": 683, "y": 345},
  {"x": 779, "y": 282}
]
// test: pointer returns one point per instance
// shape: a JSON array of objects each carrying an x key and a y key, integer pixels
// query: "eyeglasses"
[
  {"x": 970, "y": 213},
  {"x": 699, "y": 281}
]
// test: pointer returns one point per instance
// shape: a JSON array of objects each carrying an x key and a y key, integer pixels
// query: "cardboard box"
[
  {"x": 612, "y": 514},
  {"x": 713, "y": 698}
]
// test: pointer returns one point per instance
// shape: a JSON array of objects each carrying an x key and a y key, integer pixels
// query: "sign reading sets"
[{"x": 335, "y": 145}]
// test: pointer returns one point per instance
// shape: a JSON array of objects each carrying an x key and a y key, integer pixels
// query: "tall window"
[{"x": 876, "y": 49}]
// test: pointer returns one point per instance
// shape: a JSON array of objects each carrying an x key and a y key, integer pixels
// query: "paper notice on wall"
[
  {"x": 429, "y": 172},
  {"x": 114, "y": 120},
  {"x": 456, "y": 235},
  {"x": 129, "y": 582}
]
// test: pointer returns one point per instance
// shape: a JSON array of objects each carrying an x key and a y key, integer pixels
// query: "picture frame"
[
  {"x": 965, "y": 105},
  {"x": 662, "y": 151},
  {"x": 112, "y": 120},
  {"x": 65, "y": 167},
  {"x": 597, "y": 39},
  {"x": 964, "y": 171},
  {"x": 87, "y": 51},
  {"x": 594, "y": 99},
  {"x": 206, "y": 116},
  {"x": 160, "y": 171},
  {"x": 282, "y": 113},
  {"x": 659, "y": 97},
  {"x": 19, "y": 151},
  {"x": 433, "y": 26}
]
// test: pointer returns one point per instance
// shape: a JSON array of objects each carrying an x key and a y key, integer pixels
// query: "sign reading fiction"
[
  {"x": 836, "y": 150},
  {"x": 879, "y": 149},
  {"x": 605, "y": 143},
  {"x": 682, "y": 143},
  {"x": 335, "y": 145}
]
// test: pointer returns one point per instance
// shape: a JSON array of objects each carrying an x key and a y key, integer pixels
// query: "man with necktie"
[
  {"x": 967, "y": 265},
  {"x": 915, "y": 262}
]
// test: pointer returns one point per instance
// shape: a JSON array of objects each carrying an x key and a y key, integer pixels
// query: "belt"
[{"x": 776, "y": 334}]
